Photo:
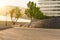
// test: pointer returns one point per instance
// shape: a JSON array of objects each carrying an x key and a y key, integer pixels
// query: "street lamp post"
[{"x": 6, "y": 19}]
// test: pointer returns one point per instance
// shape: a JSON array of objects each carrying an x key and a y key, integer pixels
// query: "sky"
[{"x": 20, "y": 3}]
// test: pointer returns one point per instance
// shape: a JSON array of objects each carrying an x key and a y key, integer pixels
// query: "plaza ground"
[{"x": 18, "y": 33}]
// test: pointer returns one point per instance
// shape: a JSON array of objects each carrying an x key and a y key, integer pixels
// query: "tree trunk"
[
  {"x": 13, "y": 23},
  {"x": 30, "y": 23}
]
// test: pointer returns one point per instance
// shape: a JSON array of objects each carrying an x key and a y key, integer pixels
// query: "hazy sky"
[{"x": 21, "y": 3}]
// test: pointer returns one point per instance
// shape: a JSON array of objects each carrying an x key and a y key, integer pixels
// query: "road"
[{"x": 30, "y": 34}]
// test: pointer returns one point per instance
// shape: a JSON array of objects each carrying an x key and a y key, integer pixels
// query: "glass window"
[
  {"x": 58, "y": 0},
  {"x": 57, "y": 6},
  {"x": 58, "y": 9},
  {"x": 58, "y": 3},
  {"x": 58, "y": 13}
]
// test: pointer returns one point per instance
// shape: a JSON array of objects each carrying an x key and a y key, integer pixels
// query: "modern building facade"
[{"x": 50, "y": 7}]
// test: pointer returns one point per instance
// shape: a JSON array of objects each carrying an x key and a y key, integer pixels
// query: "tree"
[
  {"x": 15, "y": 14},
  {"x": 33, "y": 11}
]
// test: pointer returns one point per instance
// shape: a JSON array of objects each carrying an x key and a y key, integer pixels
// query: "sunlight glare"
[
  {"x": 3, "y": 18},
  {"x": 1, "y": 4}
]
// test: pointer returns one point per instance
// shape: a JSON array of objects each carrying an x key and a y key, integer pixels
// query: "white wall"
[{"x": 50, "y": 7}]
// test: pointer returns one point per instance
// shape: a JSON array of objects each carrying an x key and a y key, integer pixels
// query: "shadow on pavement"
[{"x": 5, "y": 27}]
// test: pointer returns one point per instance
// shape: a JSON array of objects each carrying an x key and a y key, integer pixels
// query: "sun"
[{"x": 2, "y": 4}]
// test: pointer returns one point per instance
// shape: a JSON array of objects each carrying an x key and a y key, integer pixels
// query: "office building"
[{"x": 50, "y": 7}]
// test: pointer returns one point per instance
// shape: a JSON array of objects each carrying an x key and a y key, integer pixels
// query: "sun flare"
[{"x": 2, "y": 4}]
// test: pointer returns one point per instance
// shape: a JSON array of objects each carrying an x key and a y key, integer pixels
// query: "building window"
[
  {"x": 58, "y": 13},
  {"x": 57, "y": 6}
]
